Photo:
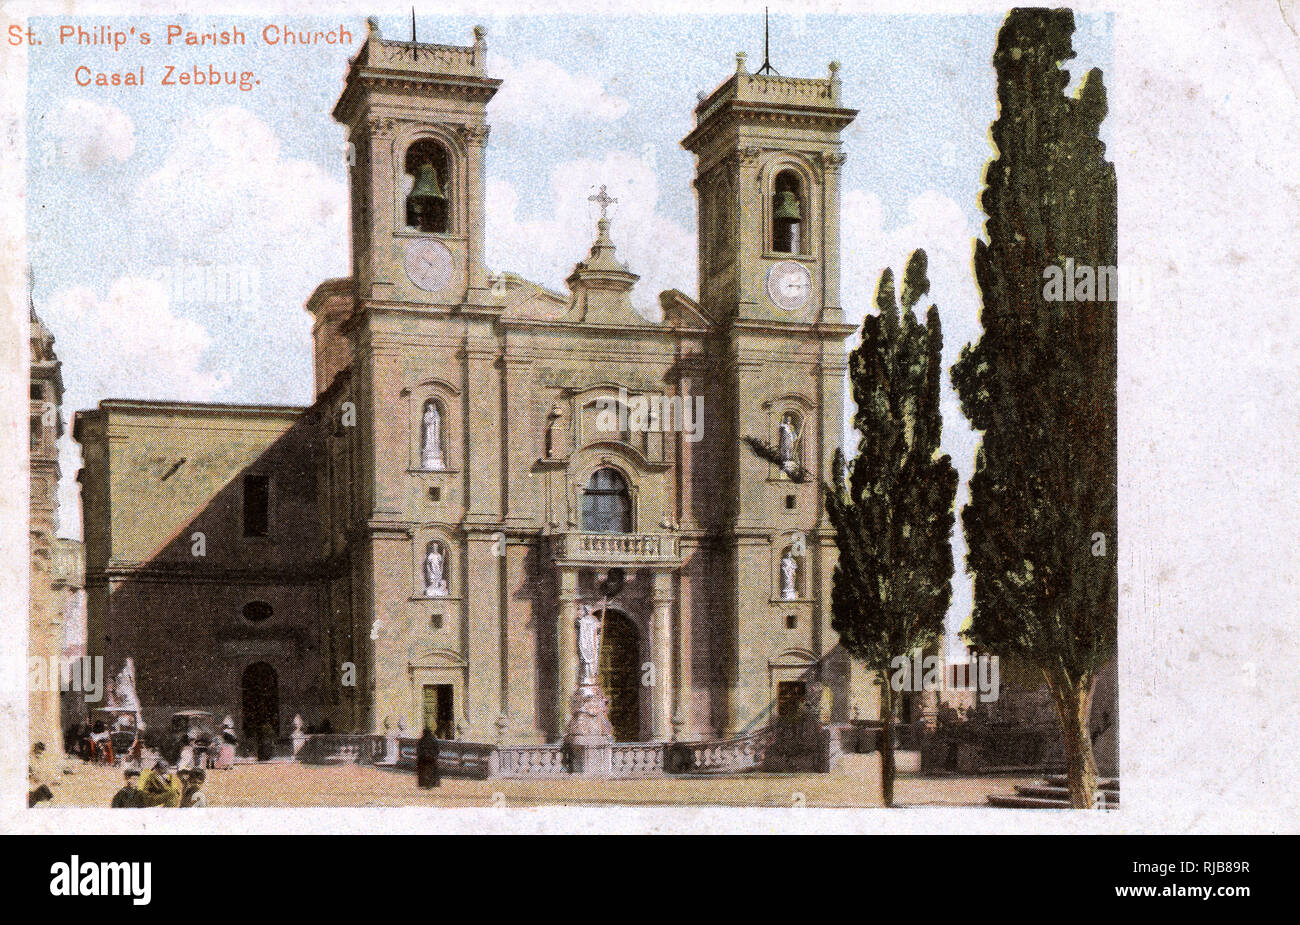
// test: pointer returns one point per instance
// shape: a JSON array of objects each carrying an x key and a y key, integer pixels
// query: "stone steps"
[
  {"x": 1051, "y": 793},
  {"x": 1103, "y": 783}
]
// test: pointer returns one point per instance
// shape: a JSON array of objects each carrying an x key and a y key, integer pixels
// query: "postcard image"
[{"x": 444, "y": 409}]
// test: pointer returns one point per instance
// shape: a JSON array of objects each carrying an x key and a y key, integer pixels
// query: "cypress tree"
[
  {"x": 892, "y": 509},
  {"x": 1040, "y": 382}
]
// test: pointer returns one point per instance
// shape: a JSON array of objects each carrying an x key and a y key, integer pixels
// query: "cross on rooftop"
[{"x": 602, "y": 199}]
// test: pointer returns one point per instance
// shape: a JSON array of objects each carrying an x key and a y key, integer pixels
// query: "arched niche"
[
  {"x": 427, "y": 168},
  {"x": 788, "y": 181},
  {"x": 445, "y": 398},
  {"x": 434, "y": 540}
]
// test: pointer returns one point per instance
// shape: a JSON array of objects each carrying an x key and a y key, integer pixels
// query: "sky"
[{"x": 175, "y": 232}]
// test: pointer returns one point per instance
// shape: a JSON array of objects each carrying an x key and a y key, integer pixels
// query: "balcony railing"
[{"x": 617, "y": 547}]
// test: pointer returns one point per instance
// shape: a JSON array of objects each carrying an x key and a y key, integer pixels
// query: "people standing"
[
  {"x": 226, "y": 749},
  {"x": 101, "y": 743},
  {"x": 186, "y": 760},
  {"x": 426, "y": 760}
]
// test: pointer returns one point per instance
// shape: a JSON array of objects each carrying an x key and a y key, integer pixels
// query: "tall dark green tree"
[
  {"x": 1040, "y": 382},
  {"x": 892, "y": 509}
]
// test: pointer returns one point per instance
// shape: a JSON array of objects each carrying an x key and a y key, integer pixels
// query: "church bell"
[
  {"x": 426, "y": 189},
  {"x": 787, "y": 206}
]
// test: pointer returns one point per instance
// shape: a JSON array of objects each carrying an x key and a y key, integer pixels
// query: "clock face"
[
  {"x": 789, "y": 285},
  {"x": 429, "y": 264}
]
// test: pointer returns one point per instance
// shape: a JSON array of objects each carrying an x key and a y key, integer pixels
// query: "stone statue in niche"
[
  {"x": 789, "y": 571},
  {"x": 431, "y": 439},
  {"x": 785, "y": 444},
  {"x": 435, "y": 582},
  {"x": 552, "y": 430}
]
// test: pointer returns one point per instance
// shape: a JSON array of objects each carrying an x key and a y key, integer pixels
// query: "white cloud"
[
  {"x": 130, "y": 344},
  {"x": 226, "y": 207},
  {"x": 541, "y": 93},
  {"x": 544, "y": 249},
  {"x": 223, "y": 185},
  {"x": 91, "y": 134}
]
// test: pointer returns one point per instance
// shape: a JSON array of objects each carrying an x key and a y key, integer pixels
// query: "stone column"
[
  {"x": 483, "y": 636},
  {"x": 483, "y": 424},
  {"x": 379, "y": 158},
  {"x": 475, "y": 138},
  {"x": 566, "y": 647},
  {"x": 661, "y": 641},
  {"x": 516, "y": 427},
  {"x": 830, "y": 163}
]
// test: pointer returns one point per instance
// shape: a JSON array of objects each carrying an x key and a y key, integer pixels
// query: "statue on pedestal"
[
  {"x": 435, "y": 584},
  {"x": 588, "y": 644},
  {"x": 589, "y": 708},
  {"x": 124, "y": 695},
  {"x": 785, "y": 445},
  {"x": 789, "y": 569},
  {"x": 431, "y": 440}
]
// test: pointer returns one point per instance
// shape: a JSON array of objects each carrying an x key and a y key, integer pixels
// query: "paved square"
[{"x": 291, "y": 784}]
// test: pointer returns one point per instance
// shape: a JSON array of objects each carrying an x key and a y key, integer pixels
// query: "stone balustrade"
[
  {"x": 629, "y": 548},
  {"x": 771, "y": 88},
  {"x": 531, "y": 761},
  {"x": 637, "y": 759},
  {"x": 767, "y": 88},
  {"x": 780, "y": 747},
  {"x": 428, "y": 58}
]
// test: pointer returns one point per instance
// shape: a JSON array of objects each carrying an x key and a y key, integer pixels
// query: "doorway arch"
[
  {"x": 620, "y": 674},
  {"x": 260, "y": 697}
]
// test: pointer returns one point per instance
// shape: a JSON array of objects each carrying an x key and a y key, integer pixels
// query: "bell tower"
[
  {"x": 768, "y": 157},
  {"x": 417, "y": 130}
]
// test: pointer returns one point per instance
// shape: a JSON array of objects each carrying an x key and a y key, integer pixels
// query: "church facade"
[{"x": 485, "y": 457}]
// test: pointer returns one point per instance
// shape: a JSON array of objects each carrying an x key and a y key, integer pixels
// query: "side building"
[{"x": 203, "y": 556}]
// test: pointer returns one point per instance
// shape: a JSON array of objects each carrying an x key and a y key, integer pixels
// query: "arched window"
[
  {"x": 606, "y": 503},
  {"x": 427, "y": 204},
  {"x": 431, "y": 432},
  {"x": 787, "y": 213},
  {"x": 257, "y": 611}
]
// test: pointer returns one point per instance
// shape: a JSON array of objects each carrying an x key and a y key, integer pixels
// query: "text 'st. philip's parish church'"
[{"x": 417, "y": 545}]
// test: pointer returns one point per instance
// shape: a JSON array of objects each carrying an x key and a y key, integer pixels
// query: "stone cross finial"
[{"x": 602, "y": 199}]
